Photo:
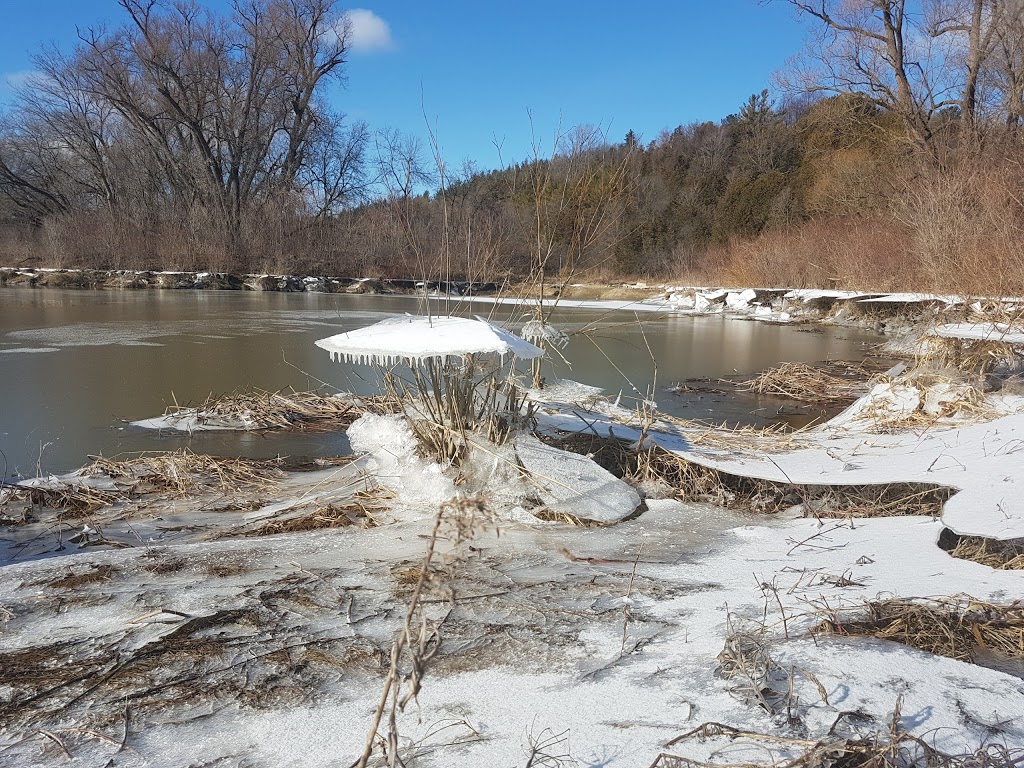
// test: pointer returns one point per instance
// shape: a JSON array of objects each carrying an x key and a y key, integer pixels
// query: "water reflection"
[{"x": 117, "y": 357}]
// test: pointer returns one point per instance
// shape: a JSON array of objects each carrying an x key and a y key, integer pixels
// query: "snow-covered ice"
[{"x": 418, "y": 338}]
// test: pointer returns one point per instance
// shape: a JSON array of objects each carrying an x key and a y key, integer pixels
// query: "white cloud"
[
  {"x": 10, "y": 82},
  {"x": 13, "y": 80},
  {"x": 369, "y": 31}
]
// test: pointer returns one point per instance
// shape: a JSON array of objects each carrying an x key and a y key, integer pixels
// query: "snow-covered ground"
[{"x": 160, "y": 631}]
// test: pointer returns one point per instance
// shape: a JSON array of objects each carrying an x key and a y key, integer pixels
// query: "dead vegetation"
[
  {"x": 1005, "y": 555},
  {"x": 891, "y": 748},
  {"x": 689, "y": 481},
  {"x": 958, "y": 627},
  {"x": 183, "y": 472},
  {"x": 443, "y": 401},
  {"x": 105, "y": 483},
  {"x": 975, "y": 356},
  {"x": 360, "y": 512},
  {"x": 254, "y": 654},
  {"x": 827, "y": 383},
  {"x": 95, "y": 574},
  {"x": 258, "y": 410}
]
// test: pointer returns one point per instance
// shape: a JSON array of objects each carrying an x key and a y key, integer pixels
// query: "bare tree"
[
  {"x": 879, "y": 48},
  {"x": 972, "y": 26},
  {"x": 1006, "y": 70},
  {"x": 335, "y": 170},
  {"x": 224, "y": 106}
]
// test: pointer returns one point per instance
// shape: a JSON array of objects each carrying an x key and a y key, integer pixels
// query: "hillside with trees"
[{"x": 887, "y": 155}]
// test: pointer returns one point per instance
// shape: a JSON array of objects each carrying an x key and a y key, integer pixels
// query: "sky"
[{"x": 493, "y": 78}]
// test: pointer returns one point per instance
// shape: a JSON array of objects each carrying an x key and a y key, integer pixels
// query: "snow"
[
  {"x": 980, "y": 332},
  {"x": 740, "y": 300},
  {"x": 981, "y": 460},
  {"x": 602, "y": 638},
  {"x": 393, "y": 460},
  {"x": 546, "y": 649},
  {"x": 614, "y": 305},
  {"x": 810, "y": 294},
  {"x": 415, "y": 339},
  {"x": 911, "y": 298}
]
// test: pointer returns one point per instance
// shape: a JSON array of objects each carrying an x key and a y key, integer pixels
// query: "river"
[{"x": 76, "y": 366}]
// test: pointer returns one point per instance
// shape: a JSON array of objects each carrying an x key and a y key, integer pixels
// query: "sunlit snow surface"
[
  {"x": 418, "y": 338},
  {"x": 980, "y": 332},
  {"x": 605, "y": 637}
]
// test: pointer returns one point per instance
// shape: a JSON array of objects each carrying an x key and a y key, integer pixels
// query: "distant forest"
[{"x": 888, "y": 154}]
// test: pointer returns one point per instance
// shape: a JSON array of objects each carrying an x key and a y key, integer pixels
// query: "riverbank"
[
  {"x": 766, "y": 598},
  {"x": 888, "y": 313}
]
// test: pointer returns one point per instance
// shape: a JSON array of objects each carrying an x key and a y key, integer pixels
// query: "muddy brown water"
[{"x": 76, "y": 366}]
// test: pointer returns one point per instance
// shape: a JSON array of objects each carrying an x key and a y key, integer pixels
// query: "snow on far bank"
[
  {"x": 912, "y": 298},
  {"x": 644, "y": 305},
  {"x": 812, "y": 294},
  {"x": 1002, "y": 332}
]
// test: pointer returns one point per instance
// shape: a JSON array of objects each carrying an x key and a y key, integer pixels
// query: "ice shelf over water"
[{"x": 418, "y": 338}]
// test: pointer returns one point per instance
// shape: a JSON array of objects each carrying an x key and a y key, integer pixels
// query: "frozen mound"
[
  {"x": 538, "y": 331},
  {"x": 391, "y": 457},
  {"x": 571, "y": 484},
  {"x": 412, "y": 339}
]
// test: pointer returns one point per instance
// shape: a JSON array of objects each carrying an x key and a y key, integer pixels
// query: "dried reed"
[
  {"x": 826, "y": 384},
  {"x": 445, "y": 400},
  {"x": 1004, "y": 555},
  {"x": 959, "y": 627},
  {"x": 360, "y": 513},
  {"x": 890, "y": 748},
  {"x": 260, "y": 410},
  {"x": 975, "y": 356},
  {"x": 179, "y": 472}
]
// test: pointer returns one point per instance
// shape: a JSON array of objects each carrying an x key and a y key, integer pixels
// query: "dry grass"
[
  {"x": 958, "y": 627},
  {"x": 826, "y": 384},
  {"x": 891, "y": 748},
  {"x": 689, "y": 481},
  {"x": 300, "y": 411},
  {"x": 359, "y": 513},
  {"x": 693, "y": 482},
  {"x": 179, "y": 473},
  {"x": 444, "y": 401},
  {"x": 566, "y": 518},
  {"x": 253, "y": 654},
  {"x": 1003, "y": 555},
  {"x": 71, "y": 500},
  {"x": 972, "y": 356},
  {"x": 183, "y": 472},
  {"x": 94, "y": 575}
]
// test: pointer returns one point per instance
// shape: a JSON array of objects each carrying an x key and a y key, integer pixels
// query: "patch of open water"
[{"x": 77, "y": 365}]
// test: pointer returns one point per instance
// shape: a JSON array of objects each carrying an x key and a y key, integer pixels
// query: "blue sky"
[{"x": 478, "y": 70}]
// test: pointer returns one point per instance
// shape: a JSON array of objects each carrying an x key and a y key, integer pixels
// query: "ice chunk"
[
  {"x": 538, "y": 331},
  {"x": 740, "y": 300},
  {"x": 574, "y": 484},
  {"x": 393, "y": 459}
]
